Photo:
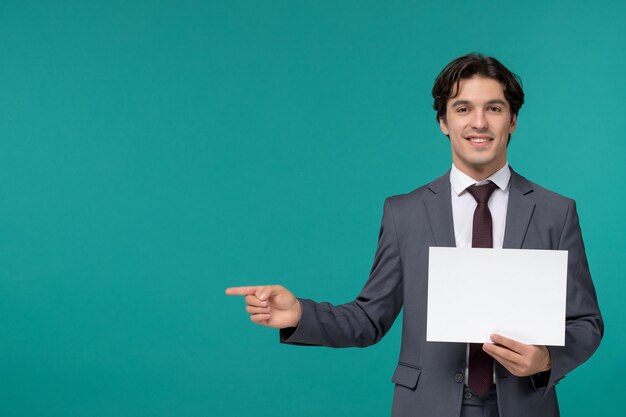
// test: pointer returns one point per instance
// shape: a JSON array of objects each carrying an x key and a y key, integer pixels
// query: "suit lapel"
[
  {"x": 439, "y": 209},
  {"x": 519, "y": 212}
]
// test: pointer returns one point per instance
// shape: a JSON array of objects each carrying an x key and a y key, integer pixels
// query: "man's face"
[{"x": 478, "y": 122}]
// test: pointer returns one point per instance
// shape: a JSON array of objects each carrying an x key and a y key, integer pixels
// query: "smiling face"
[{"x": 478, "y": 122}]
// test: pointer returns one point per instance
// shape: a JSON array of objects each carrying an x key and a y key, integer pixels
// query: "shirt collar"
[{"x": 460, "y": 181}]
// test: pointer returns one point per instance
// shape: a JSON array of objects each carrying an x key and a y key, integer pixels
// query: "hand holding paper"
[{"x": 518, "y": 358}]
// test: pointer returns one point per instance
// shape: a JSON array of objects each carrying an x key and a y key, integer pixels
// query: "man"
[{"x": 479, "y": 202}]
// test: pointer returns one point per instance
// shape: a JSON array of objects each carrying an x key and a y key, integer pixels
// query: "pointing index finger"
[{"x": 250, "y": 290}]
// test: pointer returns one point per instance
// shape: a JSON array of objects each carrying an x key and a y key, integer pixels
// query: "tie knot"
[{"x": 482, "y": 193}]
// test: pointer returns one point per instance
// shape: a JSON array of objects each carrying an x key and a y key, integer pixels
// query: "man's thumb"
[{"x": 263, "y": 293}]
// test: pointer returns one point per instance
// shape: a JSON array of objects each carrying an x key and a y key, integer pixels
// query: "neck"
[{"x": 479, "y": 174}]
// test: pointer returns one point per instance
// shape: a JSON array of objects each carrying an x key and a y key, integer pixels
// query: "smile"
[{"x": 478, "y": 140}]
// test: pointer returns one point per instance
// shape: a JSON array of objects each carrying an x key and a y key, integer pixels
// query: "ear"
[
  {"x": 513, "y": 125},
  {"x": 443, "y": 126}
]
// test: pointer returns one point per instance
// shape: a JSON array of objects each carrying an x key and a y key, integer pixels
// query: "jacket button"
[{"x": 458, "y": 377}]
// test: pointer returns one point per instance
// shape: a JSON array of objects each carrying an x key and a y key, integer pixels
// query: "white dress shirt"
[{"x": 463, "y": 206}]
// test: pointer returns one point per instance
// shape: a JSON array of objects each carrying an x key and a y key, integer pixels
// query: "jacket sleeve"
[
  {"x": 365, "y": 320},
  {"x": 584, "y": 327}
]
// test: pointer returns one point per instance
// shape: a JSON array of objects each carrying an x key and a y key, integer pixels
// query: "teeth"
[{"x": 479, "y": 140}]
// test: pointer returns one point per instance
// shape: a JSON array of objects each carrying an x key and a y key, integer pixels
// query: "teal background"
[{"x": 154, "y": 153}]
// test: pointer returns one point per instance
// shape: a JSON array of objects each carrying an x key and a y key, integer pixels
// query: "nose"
[{"x": 479, "y": 121}]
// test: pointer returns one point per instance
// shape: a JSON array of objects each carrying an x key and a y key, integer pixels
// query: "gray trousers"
[{"x": 474, "y": 406}]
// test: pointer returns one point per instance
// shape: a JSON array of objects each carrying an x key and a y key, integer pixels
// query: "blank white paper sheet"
[{"x": 518, "y": 293}]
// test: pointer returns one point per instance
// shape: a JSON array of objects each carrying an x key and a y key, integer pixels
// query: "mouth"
[{"x": 478, "y": 140}]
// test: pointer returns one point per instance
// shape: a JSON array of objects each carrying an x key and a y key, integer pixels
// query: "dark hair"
[{"x": 447, "y": 82}]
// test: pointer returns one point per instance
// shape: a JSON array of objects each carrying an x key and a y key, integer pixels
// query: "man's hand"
[
  {"x": 270, "y": 305},
  {"x": 520, "y": 359}
]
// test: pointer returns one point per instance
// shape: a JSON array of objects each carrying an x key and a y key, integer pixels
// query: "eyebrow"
[{"x": 466, "y": 102}]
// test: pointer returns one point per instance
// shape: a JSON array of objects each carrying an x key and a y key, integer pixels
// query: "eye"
[
  {"x": 494, "y": 109},
  {"x": 462, "y": 109}
]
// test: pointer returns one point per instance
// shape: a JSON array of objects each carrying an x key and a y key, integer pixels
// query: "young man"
[{"x": 479, "y": 202}]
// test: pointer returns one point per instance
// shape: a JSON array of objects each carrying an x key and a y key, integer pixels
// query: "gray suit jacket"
[{"x": 429, "y": 376}]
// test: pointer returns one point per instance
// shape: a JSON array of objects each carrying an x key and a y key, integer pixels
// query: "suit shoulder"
[
  {"x": 412, "y": 198},
  {"x": 542, "y": 195}
]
